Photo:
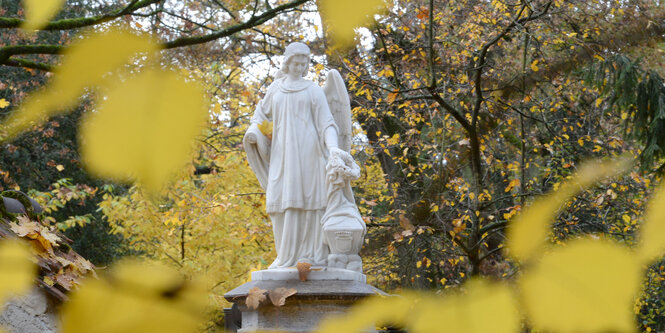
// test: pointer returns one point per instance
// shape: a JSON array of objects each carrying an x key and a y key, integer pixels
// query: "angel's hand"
[
  {"x": 251, "y": 138},
  {"x": 334, "y": 151}
]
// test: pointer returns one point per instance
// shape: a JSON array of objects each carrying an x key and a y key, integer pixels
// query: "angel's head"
[{"x": 296, "y": 60}]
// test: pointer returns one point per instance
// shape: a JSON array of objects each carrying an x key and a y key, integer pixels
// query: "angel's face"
[{"x": 297, "y": 66}]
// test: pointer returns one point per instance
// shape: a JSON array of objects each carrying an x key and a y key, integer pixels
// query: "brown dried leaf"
[
  {"x": 303, "y": 270},
  {"x": 405, "y": 223},
  {"x": 65, "y": 280},
  {"x": 24, "y": 227},
  {"x": 50, "y": 236},
  {"x": 278, "y": 296},
  {"x": 43, "y": 242},
  {"x": 255, "y": 296}
]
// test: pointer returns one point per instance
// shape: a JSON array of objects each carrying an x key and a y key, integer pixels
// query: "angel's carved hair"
[{"x": 293, "y": 50}]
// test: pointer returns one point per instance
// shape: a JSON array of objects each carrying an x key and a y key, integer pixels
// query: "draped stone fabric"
[{"x": 295, "y": 161}]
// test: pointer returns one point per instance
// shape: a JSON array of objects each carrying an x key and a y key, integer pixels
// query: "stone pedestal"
[{"x": 314, "y": 300}]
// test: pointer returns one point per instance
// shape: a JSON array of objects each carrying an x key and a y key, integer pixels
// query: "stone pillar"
[{"x": 326, "y": 292}]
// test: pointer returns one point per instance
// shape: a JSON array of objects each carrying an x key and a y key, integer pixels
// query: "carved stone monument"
[{"x": 298, "y": 145}]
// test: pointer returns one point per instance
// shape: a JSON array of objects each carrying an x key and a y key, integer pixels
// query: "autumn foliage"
[{"x": 474, "y": 120}]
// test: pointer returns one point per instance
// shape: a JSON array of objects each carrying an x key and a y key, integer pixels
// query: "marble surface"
[{"x": 317, "y": 274}]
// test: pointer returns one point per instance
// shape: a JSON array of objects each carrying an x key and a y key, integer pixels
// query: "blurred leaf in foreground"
[
  {"x": 17, "y": 271},
  {"x": 136, "y": 297},
  {"x": 144, "y": 128},
  {"x": 39, "y": 12},
  {"x": 85, "y": 64},
  {"x": 528, "y": 232},
  {"x": 485, "y": 307},
  {"x": 344, "y": 16},
  {"x": 586, "y": 285},
  {"x": 652, "y": 231}
]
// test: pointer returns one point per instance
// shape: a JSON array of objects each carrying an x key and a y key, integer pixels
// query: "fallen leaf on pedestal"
[
  {"x": 255, "y": 296},
  {"x": 278, "y": 296},
  {"x": 303, "y": 270}
]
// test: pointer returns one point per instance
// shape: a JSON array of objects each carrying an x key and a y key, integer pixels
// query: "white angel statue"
[{"x": 303, "y": 170}]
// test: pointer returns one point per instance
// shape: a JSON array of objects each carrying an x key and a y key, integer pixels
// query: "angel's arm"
[{"x": 330, "y": 137}]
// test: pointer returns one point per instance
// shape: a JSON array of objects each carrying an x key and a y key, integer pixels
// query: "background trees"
[{"x": 466, "y": 111}]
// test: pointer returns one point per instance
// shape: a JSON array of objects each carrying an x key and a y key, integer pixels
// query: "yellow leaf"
[
  {"x": 586, "y": 286},
  {"x": 391, "y": 97},
  {"x": 528, "y": 232},
  {"x": 534, "y": 66},
  {"x": 49, "y": 281},
  {"x": 652, "y": 230},
  {"x": 84, "y": 64},
  {"x": 3, "y": 103},
  {"x": 513, "y": 183},
  {"x": 367, "y": 313},
  {"x": 137, "y": 297},
  {"x": 266, "y": 129},
  {"x": 144, "y": 128},
  {"x": 598, "y": 101},
  {"x": 343, "y": 16},
  {"x": 39, "y": 12},
  {"x": 16, "y": 269},
  {"x": 484, "y": 308},
  {"x": 59, "y": 167}
]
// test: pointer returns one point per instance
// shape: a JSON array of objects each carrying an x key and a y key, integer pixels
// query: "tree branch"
[
  {"x": 451, "y": 109},
  {"x": 75, "y": 23},
  {"x": 252, "y": 22},
  {"x": 28, "y": 64}
]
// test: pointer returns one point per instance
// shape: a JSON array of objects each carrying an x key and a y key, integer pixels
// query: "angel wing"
[{"x": 340, "y": 107}]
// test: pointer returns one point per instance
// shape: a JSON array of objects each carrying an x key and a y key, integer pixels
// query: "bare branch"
[
  {"x": 75, "y": 23},
  {"x": 252, "y": 22}
]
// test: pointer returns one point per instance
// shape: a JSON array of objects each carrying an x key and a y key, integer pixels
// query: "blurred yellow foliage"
[
  {"x": 17, "y": 271},
  {"x": 455, "y": 313},
  {"x": 652, "y": 239},
  {"x": 85, "y": 64},
  {"x": 528, "y": 231},
  {"x": 587, "y": 285},
  {"x": 344, "y": 16},
  {"x": 136, "y": 296},
  {"x": 144, "y": 128},
  {"x": 39, "y": 12}
]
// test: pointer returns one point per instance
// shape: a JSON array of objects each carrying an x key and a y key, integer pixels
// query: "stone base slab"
[
  {"x": 314, "y": 300},
  {"x": 317, "y": 274}
]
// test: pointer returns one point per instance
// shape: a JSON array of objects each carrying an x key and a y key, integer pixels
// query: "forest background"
[{"x": 465, "y": 111}]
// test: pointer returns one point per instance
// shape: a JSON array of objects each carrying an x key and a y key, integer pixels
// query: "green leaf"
[
  {"x": 144, "y": 128},
  {"x": 585, "y": 286}
]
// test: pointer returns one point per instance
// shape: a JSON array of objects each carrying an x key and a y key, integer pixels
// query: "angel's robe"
[{"x": 292, "y": 170}]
